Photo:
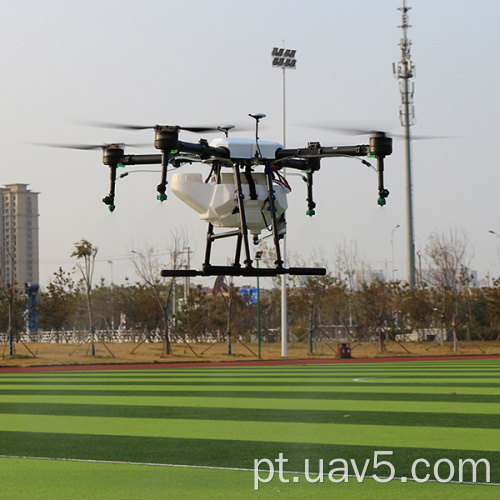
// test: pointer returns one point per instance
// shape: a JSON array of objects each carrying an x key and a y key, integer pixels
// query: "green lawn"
[{"x": 121, "y": 432}]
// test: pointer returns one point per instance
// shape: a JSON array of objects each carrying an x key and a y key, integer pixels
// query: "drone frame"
[{"x": 306, "y": 160}]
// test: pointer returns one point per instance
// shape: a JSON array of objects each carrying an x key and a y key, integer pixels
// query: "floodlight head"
[{"x": 284, "y": 58}]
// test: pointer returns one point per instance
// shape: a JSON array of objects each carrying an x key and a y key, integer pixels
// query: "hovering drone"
[{"x": 245, "y": 192}]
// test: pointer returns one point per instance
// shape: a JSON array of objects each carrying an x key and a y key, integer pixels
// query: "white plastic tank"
[{"x": 218, "y": 204}]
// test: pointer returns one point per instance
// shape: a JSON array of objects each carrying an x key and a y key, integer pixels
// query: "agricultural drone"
[{"x": 245, "y": 191}]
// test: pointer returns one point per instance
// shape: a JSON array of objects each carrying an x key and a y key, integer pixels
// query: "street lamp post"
[
  {"x": 110, "y": 262},
  {"x": 392, "y": 248},
  {"x": 498, "y": 236},
  {"x": 419, "y": 255},
  {"x": 258, "y": 256},
  {"x": 284, "y": 59},
  {"x": 187, "y": 282}
]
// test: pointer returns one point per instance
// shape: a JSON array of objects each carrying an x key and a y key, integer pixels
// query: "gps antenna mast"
[{"x": 404, "y": 71}]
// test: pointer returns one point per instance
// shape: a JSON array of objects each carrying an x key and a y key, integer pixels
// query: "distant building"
[
  {"x": 377, "y": 274},
  {"x": 433, "y": 278},
  {"x": 19, "y": 234}
]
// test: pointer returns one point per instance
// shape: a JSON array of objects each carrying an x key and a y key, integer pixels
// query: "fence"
[{"x": 80, "y": 336}]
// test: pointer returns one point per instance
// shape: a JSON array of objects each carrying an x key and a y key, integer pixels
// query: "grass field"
[{"x": 195, "y": 432}]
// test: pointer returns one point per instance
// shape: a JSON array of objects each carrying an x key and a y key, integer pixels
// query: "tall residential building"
[{"x": 18, "y": 234}]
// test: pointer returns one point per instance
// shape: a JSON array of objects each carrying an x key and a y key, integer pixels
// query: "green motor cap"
[
  {"x": 311, "y": 212},
  {"x": 381, "y": 201},
  {"x": 111, "y": 208},
  {"x": 161, "y": 197}
]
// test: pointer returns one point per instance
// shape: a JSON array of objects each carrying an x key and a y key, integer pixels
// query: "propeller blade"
[
  {"x": 119, "y": 126},
  {"x": 199, "y": 129},
  {"x": 414, "y": 137},
  {"x": 366, "y": 131},
  {"x": 89, "y": 147},
  {"x": 218, "y": 128},
  {"x": 83, "y": 147},
  {"x": 125, "y": 126}
]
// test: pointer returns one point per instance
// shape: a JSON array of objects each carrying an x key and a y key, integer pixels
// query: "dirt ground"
[{"x": 38, "y": 354}]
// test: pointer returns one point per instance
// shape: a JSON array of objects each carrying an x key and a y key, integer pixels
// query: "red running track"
[{"x": 207, "y": 364}]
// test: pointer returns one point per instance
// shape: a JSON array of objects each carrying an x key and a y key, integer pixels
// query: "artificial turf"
[
  {"x": 227, "y": 417},
  {"x": 108, "y": 481}
]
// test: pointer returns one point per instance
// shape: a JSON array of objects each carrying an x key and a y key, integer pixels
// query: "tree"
[
  {"x": 450, "y": 260},
  {"x": 85, "y": 253},
  {"x": 377, "y": 302},
  {"x": 491, "y": 308},
  {"x": 416, "y": 308},
  {"x": 148, "y": 267},
  {"x": 337, "y": 305},
  {"x": 307, "y": 300},
  {"x": 193, "y": 319},
  {"x": 59, "y": 302},
  {"x": 9, "y": 284},
  {"x": 348, "y": 262}
]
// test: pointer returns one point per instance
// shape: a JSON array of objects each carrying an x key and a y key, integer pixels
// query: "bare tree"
[
  {"x": 148, "y": 266},
  {"x": 308, "y": 297},
  {"x": 377, "y": 304},
  {"x": 348, "y": 262},
  {"x": 8, "y": 283},
  {"x": 450, "y": 255},
  {"x": 10, "y": 291},
  {"x": 85, "y": 253}
]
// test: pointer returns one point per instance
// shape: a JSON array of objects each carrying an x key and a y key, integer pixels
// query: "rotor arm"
[
  {"x": 140, "y": 160},
  {"x": 114, "y": 157},
  {"x": 314, "y": 150},
  {"x": 293, "y": 163},
  {"x": 380, "y": 146},
  {"x": 203, "y": 150}
]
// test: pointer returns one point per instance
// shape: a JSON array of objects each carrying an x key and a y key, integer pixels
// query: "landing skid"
[
  {"x": 244, "y": 267},
  {"x": 243, "y": 271}
]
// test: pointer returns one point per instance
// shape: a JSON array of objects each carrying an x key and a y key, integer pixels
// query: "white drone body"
[
  {"x": 217, "y": 202},
  {"x": 242, "y": 149}
]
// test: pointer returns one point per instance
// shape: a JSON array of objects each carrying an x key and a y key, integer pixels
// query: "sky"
[{"x": 209, "y": 63}]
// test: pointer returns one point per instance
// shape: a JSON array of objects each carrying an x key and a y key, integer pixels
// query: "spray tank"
[{"x": 217, "y": 203}]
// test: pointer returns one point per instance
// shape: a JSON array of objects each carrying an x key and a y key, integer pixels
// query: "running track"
[{"x": 276, "y": 362}]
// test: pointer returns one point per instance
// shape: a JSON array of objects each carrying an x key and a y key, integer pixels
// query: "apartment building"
[{"x": 19, "y": 234}]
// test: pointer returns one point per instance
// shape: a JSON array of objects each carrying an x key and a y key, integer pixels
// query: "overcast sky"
[{"x": 199, "y": 62}]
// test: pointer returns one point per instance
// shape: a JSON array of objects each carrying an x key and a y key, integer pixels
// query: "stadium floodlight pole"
[
  {"x": 404, "y": 71},
  {"x": 284, "y": 59}
]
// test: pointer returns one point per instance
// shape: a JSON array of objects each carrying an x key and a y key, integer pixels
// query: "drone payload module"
[
  {"x": 250, "y": 199},
  {"x": 214, "y": 200}
]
